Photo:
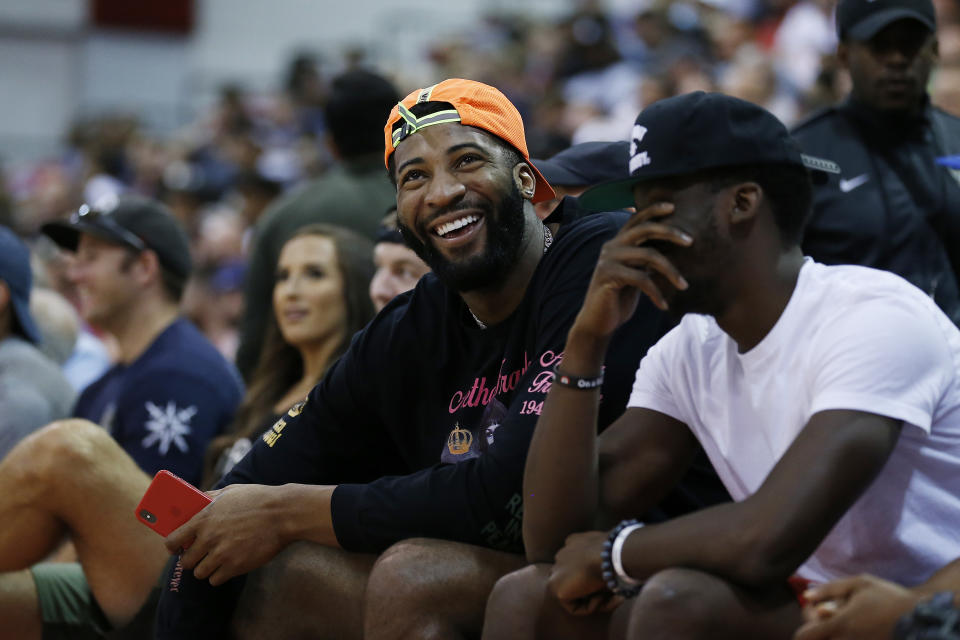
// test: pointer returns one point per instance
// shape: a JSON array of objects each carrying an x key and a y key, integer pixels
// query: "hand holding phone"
[{"x": 169, "y": 502}]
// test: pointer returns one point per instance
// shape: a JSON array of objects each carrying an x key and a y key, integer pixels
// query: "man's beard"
[{"x": 504, "y": 223}]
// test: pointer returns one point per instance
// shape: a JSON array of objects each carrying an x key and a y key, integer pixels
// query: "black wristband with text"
[{"x": 576, "y": 382}]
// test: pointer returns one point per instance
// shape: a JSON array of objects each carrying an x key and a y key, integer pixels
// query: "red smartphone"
[{"x": 169, "y": 502}]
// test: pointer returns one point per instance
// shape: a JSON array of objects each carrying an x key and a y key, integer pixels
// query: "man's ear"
[
  {"x": 746, "y": 202},
  {"x": 525, "y": 180},
  {"x": 148, "y": 266},
  {"x": 4, "y": 296}
]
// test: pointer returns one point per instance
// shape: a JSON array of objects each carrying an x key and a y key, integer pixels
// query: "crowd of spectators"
[
  {"x": 239, "y": 179},
  {"x": 578, "y": 78}
]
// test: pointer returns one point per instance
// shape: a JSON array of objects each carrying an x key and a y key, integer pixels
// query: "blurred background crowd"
[{"x": 580, "y": 71}]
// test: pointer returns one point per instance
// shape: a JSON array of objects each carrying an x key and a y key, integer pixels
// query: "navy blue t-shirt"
[{"x": 165, "y": 406}]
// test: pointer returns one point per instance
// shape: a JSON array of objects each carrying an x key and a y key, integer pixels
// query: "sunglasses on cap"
[{"x": 103, "y": 219}]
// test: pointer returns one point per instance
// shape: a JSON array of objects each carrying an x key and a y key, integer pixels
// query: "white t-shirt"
[{"x": 850, "y": 338}]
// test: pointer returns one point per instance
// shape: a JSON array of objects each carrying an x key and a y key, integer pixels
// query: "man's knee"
[
  {"x": 402, "y": 566},
  {"x": 305, "y": 588},
  {"x": 676, "y": 600},
  {"x": 425, "y": 567},
  {"x": 403, "y": 590},
  {"x": 59, "y": 450},
  {"x": 522, "y": 590},
  {"x": 304, "y": 565},
  {"x": 427, "y": 588},
  {"x": 521, "y": 607}
]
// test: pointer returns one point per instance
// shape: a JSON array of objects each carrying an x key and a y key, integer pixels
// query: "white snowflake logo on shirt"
[{"x": 168, "y": 425}]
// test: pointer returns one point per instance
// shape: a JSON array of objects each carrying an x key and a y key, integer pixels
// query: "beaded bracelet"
[
  {"x": 611, "y": 564},
  {"x": 576, "y": 382}
]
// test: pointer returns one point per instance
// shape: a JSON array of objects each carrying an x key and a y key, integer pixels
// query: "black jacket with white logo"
[{"x": 892, "y": 207}]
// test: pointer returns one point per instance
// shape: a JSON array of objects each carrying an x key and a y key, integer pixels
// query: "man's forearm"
[
  {"x": 584, "y": 353},
  {"x": 946, "y": 579},
  {"x": 764, "y": 538},
  {"x": 560, "y": 478},
  {"x": 306, "y": 514},
  {"x": 724, "y": 540}
]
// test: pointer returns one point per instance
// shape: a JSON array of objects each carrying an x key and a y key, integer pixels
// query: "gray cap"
[{"x": 15, "y": 271}]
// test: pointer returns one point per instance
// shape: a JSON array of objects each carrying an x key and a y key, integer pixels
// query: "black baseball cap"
[
  {"x": 586, "y": 164},
  {"x": 862, "y": 19},
  {"x": 133, "y": 222},
  {"x": 694, "y": 132}
]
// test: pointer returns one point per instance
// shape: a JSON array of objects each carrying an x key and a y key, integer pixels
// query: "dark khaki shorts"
[{"x": 67, "y": 606}]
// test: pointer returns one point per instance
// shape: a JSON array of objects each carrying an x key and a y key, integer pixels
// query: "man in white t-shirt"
[{"x": 827, "y": 398}]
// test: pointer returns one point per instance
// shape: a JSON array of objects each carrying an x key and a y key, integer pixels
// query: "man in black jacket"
[
  {"x": 420, "y": 431},
  {"x": 894, "y": 207}
]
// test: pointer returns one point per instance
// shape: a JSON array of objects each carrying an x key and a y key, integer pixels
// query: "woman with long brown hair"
[{"x": 320, "y": 299}]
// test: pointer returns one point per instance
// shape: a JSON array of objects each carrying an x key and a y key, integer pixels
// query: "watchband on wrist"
[
  {"x": 936, "y": 618},
  {"x": 577, "y": 382},
  {"x": 611, "y": 563}
]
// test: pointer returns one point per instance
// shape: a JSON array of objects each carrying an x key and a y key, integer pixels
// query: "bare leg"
[
  {"x": 521, "y": 608},
  {"x": 684, "y": 603},
  {"x": 19, "y": 612},
  {"x": 432, "y": 589},
  {"x": 72, "y": 477},
  {"x": 307, "y": 591}
]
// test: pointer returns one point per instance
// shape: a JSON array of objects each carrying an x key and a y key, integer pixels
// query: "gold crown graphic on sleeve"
[{"x": 459, "y": 440}]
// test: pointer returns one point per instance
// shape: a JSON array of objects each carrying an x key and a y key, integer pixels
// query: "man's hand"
[
  {"x": 860, "y": 608},
  {"x": 236, "y": 533},
  {"x": 625, "y": 268},
  {"x": 575, "y": 578}
]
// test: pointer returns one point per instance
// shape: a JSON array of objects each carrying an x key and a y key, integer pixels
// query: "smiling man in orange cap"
[{"x": 399, "y": 477}]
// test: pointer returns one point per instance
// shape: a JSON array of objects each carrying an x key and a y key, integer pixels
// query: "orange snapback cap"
[{"x": 474, "y": 104}]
